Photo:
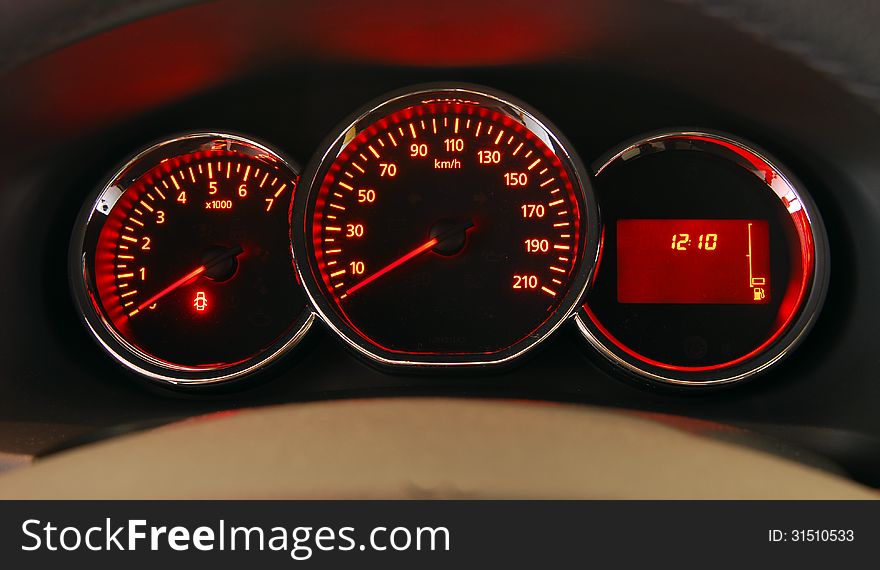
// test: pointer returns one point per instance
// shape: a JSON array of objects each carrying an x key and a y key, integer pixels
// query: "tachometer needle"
[
  {"x": 190, "y": 276},
  {"x": 414, "y": 253}
]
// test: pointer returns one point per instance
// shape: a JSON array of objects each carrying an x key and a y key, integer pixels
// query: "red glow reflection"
[
  {"x": 452, "y": 33},
  {"x": 170, "y": 56}
]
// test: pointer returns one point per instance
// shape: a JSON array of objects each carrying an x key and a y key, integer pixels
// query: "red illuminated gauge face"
[
  {"x": 182, "y": 266},
  {"x": 714, "y": 262},
  {"x": 445, "y": 227}
]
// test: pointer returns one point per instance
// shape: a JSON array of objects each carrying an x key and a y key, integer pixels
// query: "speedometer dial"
[{"x": 446, "y": 226}]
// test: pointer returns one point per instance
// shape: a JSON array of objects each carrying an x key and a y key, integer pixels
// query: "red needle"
[
  {"x": 182, "y": 281},
  {"x": 235, "y": 251},
  {"x": 419, "y": 250},
  {"x": 414, "y": 253}
]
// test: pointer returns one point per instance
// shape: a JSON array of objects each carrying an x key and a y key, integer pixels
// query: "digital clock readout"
[{"x": 693, "y": 261}]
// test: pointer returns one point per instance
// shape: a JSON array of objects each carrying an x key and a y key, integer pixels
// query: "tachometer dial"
[
  {"x": 445, "y": 226},
  {"x": 181, "y": 265}
]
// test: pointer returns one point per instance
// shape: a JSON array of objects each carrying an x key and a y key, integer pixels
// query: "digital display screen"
[{"x": 693, "y": 261}]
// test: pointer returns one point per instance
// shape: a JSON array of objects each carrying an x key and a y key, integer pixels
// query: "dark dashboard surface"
[{"x": 288, "y": 73}]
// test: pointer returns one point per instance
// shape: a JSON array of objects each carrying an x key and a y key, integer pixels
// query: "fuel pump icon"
[{"x": 758, "y": 292}]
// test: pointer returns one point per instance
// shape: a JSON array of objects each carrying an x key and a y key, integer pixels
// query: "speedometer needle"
[
  {"x": 414, "y": 253},
  {"x": 234, "y": 252}
]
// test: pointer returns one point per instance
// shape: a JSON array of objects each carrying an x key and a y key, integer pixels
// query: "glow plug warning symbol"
[{"x": 200, "y": 302}]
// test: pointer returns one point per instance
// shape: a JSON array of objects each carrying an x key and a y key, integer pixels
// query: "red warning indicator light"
[{"x": 200, "y": 302}]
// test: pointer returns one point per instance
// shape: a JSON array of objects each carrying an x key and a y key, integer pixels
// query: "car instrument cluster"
[{"x": 450, "y": 226}]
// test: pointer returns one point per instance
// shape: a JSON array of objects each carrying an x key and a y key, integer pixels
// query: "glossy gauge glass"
[
  {"x": 445, "y": 226},
  {"x": 714, "y": 262},
  {"x": 181, "y": 263}
]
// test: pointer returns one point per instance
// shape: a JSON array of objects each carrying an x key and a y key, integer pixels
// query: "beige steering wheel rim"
[{"x": 422, "y": 448}]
